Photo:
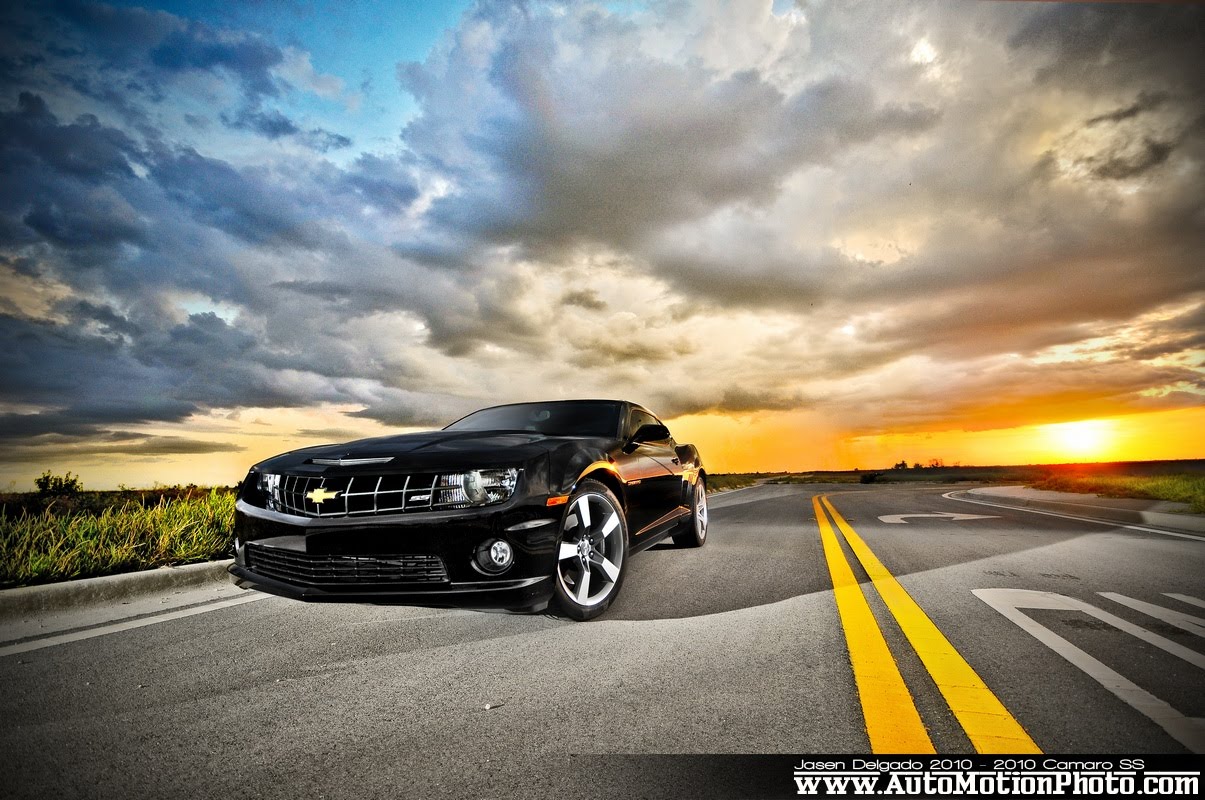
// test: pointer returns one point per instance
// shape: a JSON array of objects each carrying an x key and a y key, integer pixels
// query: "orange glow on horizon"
[
  {"x": 802, "y": 441},
  {"x": 782, "y": 441}
]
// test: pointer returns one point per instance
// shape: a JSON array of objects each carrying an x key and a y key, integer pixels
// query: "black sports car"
[{"x": 509, "y": 507}]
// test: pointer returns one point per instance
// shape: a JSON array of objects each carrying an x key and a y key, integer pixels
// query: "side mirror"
[{"x": 650, "y": 433}]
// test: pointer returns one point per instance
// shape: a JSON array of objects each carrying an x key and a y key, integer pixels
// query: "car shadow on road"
[{"x": 757, "y": 553}]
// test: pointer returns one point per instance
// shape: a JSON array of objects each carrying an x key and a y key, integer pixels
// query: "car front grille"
[
  {"x": 361, "y": 495},
  {"x": 319, "y": 569}
]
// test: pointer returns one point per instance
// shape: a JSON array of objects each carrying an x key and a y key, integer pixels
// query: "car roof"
[{"x": 627, "y": 403}]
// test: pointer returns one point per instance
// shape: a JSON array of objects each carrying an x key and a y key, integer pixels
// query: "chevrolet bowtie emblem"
[{"x": 318, "y": 495}]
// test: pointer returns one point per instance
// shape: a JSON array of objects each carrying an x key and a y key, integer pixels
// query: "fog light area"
[{"x": 495, "y": 556}]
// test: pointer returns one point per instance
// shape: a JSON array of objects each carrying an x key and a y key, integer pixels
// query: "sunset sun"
[{"x": 1086, "y": 439}]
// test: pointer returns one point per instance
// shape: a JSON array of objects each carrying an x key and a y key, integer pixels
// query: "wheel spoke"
[
  {"x": 583, "y": 510},
  {"x": 609, "y": 568},
  {"x": 611, "y": 524},
  {"x": 600, "y": 560},
  {"x": 583, "y": 590},
  {"x": 567, "y": 551}
]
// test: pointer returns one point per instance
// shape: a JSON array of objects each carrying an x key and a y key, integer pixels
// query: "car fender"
[
  {"x": 601, "y": 466},
  {"x": 571, "y": 462}
]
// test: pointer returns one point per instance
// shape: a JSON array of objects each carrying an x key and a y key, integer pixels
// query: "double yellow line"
[{"x": 892, "y": 721}]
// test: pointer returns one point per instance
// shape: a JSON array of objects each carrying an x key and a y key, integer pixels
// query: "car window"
[
  {"x": 558, "y": 418},
  {"x": 639, "y": 418}
]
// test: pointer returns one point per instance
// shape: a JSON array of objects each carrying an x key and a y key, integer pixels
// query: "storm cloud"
[{"x": 902, "y": 216}]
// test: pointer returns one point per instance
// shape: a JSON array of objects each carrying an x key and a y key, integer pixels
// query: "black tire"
[
  {"x": 694, "y": 528},
  {"x": 589, "y": 575}
]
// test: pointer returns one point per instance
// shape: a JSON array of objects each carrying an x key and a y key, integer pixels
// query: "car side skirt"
[{"x": 657, "y": 531}]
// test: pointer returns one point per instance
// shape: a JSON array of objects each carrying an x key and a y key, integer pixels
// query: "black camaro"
[{"x": 508, "y": 507}]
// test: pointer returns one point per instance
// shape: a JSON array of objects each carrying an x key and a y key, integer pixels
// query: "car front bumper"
[{"x": 420, "y": 558}]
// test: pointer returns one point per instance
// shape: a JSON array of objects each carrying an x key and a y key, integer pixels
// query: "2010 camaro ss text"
[{"x": 510, "y": 507}]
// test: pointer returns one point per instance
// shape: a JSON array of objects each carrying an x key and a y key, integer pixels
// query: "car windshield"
[{"x": 556, "y": 419}]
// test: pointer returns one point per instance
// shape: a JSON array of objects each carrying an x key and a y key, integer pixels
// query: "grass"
[
  {"x": 1176, "y": 488},
  {"x": 727, "y": 481},
  {"x": 63, "y": 542},
  {"x": 816, "y": 477}
]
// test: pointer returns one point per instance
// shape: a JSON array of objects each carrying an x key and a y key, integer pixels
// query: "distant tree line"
[
  {"x": 58, "y": 485},
  {"x": 934, "y": 463}
]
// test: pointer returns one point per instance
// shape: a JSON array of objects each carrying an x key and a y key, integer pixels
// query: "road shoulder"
[
  {"x": 37, "y": 611},
  {"x": 1174, "y": 516}
]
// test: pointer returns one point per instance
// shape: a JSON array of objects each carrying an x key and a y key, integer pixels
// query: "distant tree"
[
  {"x": 49, "y": 484},
  {"x": 935, "y": 463},
  {"x": 901, "y": 465},
  {"x": 917, "y": 465}
]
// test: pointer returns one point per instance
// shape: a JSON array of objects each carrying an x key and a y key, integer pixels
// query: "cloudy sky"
[{"x": 823, "y": 235}]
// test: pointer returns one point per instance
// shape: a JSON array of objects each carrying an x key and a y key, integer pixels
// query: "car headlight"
[
  {"x": 269, "y": 489},
  {"x": 478, "y": 487}
]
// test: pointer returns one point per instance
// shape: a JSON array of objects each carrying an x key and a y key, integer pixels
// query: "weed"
[
  {"x": 1177, "y": 488},
  {"x": 724, "y": 482},
  {"x": 60, "y": 544}
]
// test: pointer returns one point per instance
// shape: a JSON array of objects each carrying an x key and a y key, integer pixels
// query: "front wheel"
[
  {"x": 694, "y": 533},
  {"x": 592, "y": 552}
]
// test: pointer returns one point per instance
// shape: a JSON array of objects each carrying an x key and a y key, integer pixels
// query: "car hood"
[{"x": 424, "y": 451}]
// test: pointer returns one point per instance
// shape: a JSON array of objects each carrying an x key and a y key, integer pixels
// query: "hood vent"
[{"x": 350, "y": 462}]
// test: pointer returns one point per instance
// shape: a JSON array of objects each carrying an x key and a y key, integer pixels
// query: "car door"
[{"x": 654, "y": 487}]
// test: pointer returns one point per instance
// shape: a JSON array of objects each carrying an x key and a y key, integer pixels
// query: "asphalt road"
[{"x": 735, "y": 648}]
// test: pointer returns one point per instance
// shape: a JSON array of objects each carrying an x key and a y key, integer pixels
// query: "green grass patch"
[
  {"x": 816, "y": 477},
  {"x": 64, "y": 541},
  {"x": 1176, "y": 488},
  {"x": 727, "y": 481}
]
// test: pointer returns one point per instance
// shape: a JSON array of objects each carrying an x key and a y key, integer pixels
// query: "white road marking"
[
  {"x": 949, "y": 496},
  {"x": 1186, "y": 598},
  {"x": 116, "y": 627},
  {"x": 1178, "y": 618},
  {"x": 898, "y": 519},
  {"x": 1188, "y": 731}
]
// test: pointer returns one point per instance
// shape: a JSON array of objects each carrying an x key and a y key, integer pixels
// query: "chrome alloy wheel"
[
  {"x": 692, "y": 530},
  {"x": 592, "y": 550}
]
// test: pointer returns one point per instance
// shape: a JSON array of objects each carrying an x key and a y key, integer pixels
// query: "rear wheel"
[
  {"x": 694, "y": 533},
  {"x": 592, "y": 552}
]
